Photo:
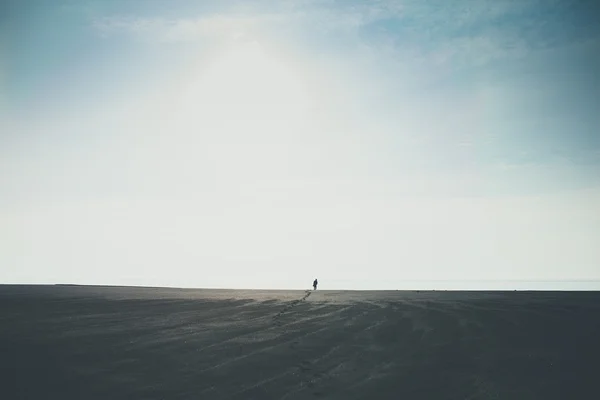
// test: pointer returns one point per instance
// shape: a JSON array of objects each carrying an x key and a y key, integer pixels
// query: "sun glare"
[{"x": 243, "y": 89}]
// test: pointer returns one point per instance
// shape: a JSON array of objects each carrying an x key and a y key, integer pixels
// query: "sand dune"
[{"x": 73, "y": 342}]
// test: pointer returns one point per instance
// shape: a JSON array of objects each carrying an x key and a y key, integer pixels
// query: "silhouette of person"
[{"x": 315, "y": 283}]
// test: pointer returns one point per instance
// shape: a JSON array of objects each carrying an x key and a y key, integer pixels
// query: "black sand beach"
[{"x": 72, "y": 342}]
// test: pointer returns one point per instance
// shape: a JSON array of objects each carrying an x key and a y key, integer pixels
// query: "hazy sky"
[{"x": 260, "y": 144}]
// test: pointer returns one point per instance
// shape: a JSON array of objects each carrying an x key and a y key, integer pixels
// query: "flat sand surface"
[{"x": 77, "y": 342}]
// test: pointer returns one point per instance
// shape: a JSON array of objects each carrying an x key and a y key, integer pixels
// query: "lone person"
[{"x": 315, "y": 283}]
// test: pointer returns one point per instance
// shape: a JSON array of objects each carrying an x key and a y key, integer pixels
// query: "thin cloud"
[
  {"x": 322, "y": 16},
  {"x": 423, "y": 32},
  {"x": 183, "y": 29},
  {"x": 468, "y": 33}
]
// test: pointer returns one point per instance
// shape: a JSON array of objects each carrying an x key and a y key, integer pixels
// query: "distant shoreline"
[{"x": 407, "y": 290}]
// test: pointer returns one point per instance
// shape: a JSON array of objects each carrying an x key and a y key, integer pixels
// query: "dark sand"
[{"x": 69, "y": 342}]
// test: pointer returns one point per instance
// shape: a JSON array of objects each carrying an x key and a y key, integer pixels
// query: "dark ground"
[{"x": 71, "y": 342}]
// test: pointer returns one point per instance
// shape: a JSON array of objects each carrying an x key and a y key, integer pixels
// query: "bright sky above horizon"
[{"x": 261, "y": 144}]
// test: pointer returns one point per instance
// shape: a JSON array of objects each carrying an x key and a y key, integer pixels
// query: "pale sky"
[{"x": 261, "y": 144}]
